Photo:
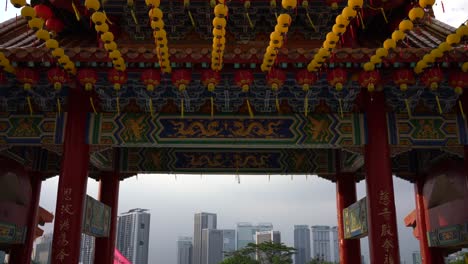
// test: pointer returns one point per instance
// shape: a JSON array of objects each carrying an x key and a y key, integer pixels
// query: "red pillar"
[
  {"x": 109, "y": 195},
  {"x": 350, "y": 249},
  {"x": 21, "y": 254},
  {"x": 383, "y": 236},
  {"x": 72, "y": 182}
]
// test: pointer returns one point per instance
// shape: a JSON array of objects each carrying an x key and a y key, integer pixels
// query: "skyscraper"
[
  {"x": 42, "y": 253},
  {"x": 212, "y": 246},
  {"x": 133, "y": 229},
  {"x": 229, "y": 241},
  {"x": 416, "y": 257},
  {"x": 184, "y": 250},
  {"x": 336, "y": 253},
  {"x": 246, "y": 232},
  {"x": 201, "y": 221},
  {"x": 266, "y": 236},
  {"x": 321, "y": 243},
  {"x": 87, "y": 249},
  {"x": 302, "y": 244}
]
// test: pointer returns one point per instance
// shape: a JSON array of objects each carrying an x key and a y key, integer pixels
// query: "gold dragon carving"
[
  {"x": 133, "y": 129},
  {"x": 251, "y": 161},
  {"x": 197, "y": 161},
  {"x": 319, "y": 129},
  {"x": 196, "y": 128},
  {"x": 25, "y": 128},
  {"x": 255, "y": 128}
]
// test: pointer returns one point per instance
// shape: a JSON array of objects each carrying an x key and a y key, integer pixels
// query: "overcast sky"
[{"x": 282, "y": 201}]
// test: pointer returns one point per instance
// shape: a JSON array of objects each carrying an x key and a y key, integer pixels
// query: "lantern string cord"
[
  {"x": 77, "y": 14},
  {"x": 341, "y": 107},
  {"x": 277, "y": 104},
  {"x": 91, "y": 101},
  {"x": 248, "y": 19},
  {"x": 59, "y": 107},
  {"x": 118, "y": 105},
  {"x": 408, "y": 109},
  {"x": 362, "y": 21},
  {"x": 182, "y": 108},
  {"x": 306, "y": 105},
  {"x": 151, "y": 107},
  {"x": 107, "y": 18},
  {"x": 438, "y": 104},
  {"x": 250, "y": 109},
  {"x": 212, "y": 106},
  {"x": 191, "y": 17},
  {"x": 28, "y": 99},
  {"x": 460, "y": 105},
  {"x": 311, "y": 22},
  {"x": 132, "y": 11}
]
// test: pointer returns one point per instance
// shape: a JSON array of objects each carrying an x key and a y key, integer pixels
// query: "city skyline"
[
  {"x": 302, "y": 244},
  {"x": 133, "y": 229}
]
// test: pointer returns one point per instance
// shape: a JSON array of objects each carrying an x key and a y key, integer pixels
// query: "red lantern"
[
  {"x": 87, "y": 78},
  {"x": 43, "y": 11},
  {"x": 336, "y": 78},
  {"x": 305, "y": 79},
  {"x": 118, "y": 78},
  {"x": 403, "y": 77},
  {"x": 243, "y": 79},
  {"x": 181, "y": 79},
  {"x": 432, "y": 78},
  {"x": 275, "y": 79},
  {"x": 459, "y": 80},
  {"x": 54, "y": 25},
  {"x": 57, "y": 77},
  {"x": 369, "y": 79},
  {"x": 151, "y": 78},
  {"x": 210, "y": 79},
  {"x": 28, "y": 77}
]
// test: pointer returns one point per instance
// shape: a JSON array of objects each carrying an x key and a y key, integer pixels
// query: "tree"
[
  {"x": 239, "y": 259},
  {"x": 267, "y": 252},
  {"x": 316, "y": 261}
]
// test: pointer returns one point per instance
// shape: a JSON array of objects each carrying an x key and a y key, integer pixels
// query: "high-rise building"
[
  {"x": 416, "y": 257},
  {"x": 87, "y": 249},
  {"x": 335, "y": 248},
  {"x": 321, "y": 243},
  {"x": 246, "y": 232},
  {"x": 201, "y": 221},
  {"x": 133, "y": 229},
  {"x": 302, "y": 244},
  {"x": 42, "y": 253},
  {"x": 2, "y": 257},
  {"x": 266, "y": 236},
  {"x": 212, "y": 246},
  {"x": 229, "y": 242},
  {"x": 184, "y": 250}
]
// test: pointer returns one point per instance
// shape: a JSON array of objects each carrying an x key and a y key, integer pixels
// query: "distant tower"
[
  {"x": 184, "y": 250},
  {"x": 42, "y": 253},
  {"x": 87, "y": 249},
  {"x": 201, "y": 221},
  {"x": 229, "y": 242},
  {"x": 302, "y": 244},
  {"x": 267, "y": 236},
  {"x": 336, "y": 252},
  {"x": 133, "y": 229},
  {"x": 321, "y": 243},
  {"x": 246, "y": 232},
  {"x": 212, "y": 246}
]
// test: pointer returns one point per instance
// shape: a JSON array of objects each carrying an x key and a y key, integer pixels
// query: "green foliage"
[
  {"x": 316, "y": 261},
  {"x": 268, "y": 253},
  {"x": 457, "y": 262}
]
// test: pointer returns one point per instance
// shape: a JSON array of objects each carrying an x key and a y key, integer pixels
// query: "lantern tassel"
[
  {"x": 182, "y": 108},
  {"x": 92, "y": 105},
  {"x": 132, "y": 11},
  {"x": 28, "y": 99},
  {"x": 191, "y": 18},
  {"x": 438, "y": 104},
  {"x": 383, "y": 14},
  {"x": 341, "y": 108},
  {"x": 59, "y": 107},
  {"x": 311, "y": 22},
  {"x": 460, "y": 105},
  {"x": 77, "y": 14},
  {"x": 277, "y": 104},
  {"x": 360, "y": 19},
  {"x": 117, "y": 104},
  {"x": 107, "y": 18},
  {"x": 248, "y": 19},
  {"x": 408, "y": 109},
  {"x": 250, "y": 109},
  {"x": 212, "y": 106},
  {"x": 151, "y": 107},
  {"x": 306, "y": 105}
]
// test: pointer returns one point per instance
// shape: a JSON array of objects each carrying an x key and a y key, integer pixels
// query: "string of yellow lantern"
[
  {"x": 219, "y": 32},
  {"x": 160, "y": 35},
  {"x": 5, "y": 64}
]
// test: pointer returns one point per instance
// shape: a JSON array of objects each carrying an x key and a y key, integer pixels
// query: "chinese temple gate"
[{"x": 345, "y": 90}]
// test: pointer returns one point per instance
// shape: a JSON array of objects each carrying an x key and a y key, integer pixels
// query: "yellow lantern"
[
  {"x": 219, "y": 33},
  {"x": 92, "y": 5},
  {"x": 98, "y": 18},
  {"x": 405, "y": 25},
  {"x": 416, "y": 13},
  {"x": 355, "y": 4},
  {"x": 281, "y": 29},
  {"x": 219, "y": 23},
  {"x": 418, "y": 70},
  {"x": 219, "y": 41},
  {"x": 103, "y": 28},
  {"x": 284, "y": 20},
  {"x": 341, "y": 21},
  {"x": 332, "y": 38},
  {"x": 369, "y": 66},
  {"x": 338, "y": 30},
  {"x": 36, "y": 23},
  {"x": 107, "y": 37},
  {"x": 155, "y": 14},
  {"x": 221, "y": 10},
  {"x": 436, "y": 53},
  {"x": 444, "y": 46},
  {"x": 58, "y": 52},
  {"x": 276, "y": 45},
  {"x": 119, "y": 62},
  {"x": 157, "y": 25},
  {"x": 421, "y": 64},
  {"x": 160, "y": 35},
  {"x": 398, "y": 35},
  {"x": 51, "y": 44},
  {"x": 375, "y": 59},
  {"x": 18, "y": 3},
  {"x": 426, "y": 3},
  {"x": 381, "y": 53},
  {"x": 389, "y": 44},
  {"x": 276, "y": 37},
  {"x": 153, "y": 3},
  {"x": 462, "y": 31},
  {"x": 115, "y": 54},
  {"x": 63, "y": 60},
  {"x": 28, "y": 12},
  {"x": 162, "y": 43},
  {"x": 429, "y": 58},
  {"x": 349, "y": 13},
  {"x": 453, "y": 39},
  {"x": 111, "y": 46},
  {"x": 323, "y": 53},
  {"x": 69, "y": 66},
  {"x": 465, "y": 67},
  {"x": 43, "y": 35},
  {"x": 328, "y": 45},
  {"x": 289, "y": 4}
]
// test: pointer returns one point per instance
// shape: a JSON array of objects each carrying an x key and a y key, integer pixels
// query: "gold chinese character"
[
  {"x": 61, "y": 255},
  {"x": 67, "y": 194},
  {"x": 66, "y": 208},
  {"x": 384, "y": 198},
  {"x": 385, "y": 213},
  {"x": 386, "y": 231},
  {"x": 63, "y": 242},
  {"x": 387, "y": 245},
  {"x": 65, "y": 225}
]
